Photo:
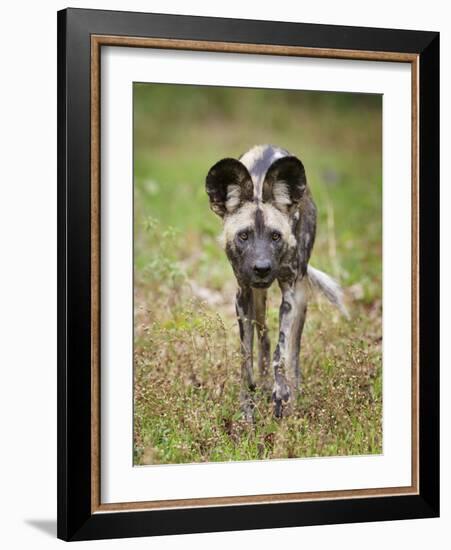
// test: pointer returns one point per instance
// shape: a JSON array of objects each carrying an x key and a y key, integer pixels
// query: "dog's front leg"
[
  {"x": 281, "y": 391},
  {"x": 294, "y": 343},
  {"x": 245, "y": 313},
  {"x": 264, "y": 346}
]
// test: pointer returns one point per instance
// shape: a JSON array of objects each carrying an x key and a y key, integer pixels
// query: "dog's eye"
[
  {"x": 276, "y": 236},
  {"x": 243, "y": 236}
]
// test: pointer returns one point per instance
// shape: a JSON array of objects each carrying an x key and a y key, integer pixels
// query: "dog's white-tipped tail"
[{"x": 327, "y": 286}]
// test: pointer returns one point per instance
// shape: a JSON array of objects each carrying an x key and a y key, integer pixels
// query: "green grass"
[{"x": 187, "y": 363}]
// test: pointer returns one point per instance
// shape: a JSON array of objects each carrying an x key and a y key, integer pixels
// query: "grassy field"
[{"x": 186, "y": 356}]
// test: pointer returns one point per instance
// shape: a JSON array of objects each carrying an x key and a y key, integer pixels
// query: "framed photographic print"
[{"x": 248, "y": 274}]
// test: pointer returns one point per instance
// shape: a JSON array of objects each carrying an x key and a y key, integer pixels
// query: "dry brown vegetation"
[{"x": 187, "y": 381}]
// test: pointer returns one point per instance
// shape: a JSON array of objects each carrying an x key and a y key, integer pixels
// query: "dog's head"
[{"x": 259, "y": 213}]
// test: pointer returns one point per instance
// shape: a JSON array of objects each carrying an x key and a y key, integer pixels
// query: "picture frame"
[{"x": 81, "y": 36}]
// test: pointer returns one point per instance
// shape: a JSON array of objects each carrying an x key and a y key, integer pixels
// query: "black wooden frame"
[{"x": 75, "y": 520}]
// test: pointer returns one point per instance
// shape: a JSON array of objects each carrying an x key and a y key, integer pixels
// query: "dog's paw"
[
  {"x": 281, "y": 389},
  {"x": 280, "y": 396},
  {"x": 247, "y": 409},
  {"x": 248, "y": 415}
]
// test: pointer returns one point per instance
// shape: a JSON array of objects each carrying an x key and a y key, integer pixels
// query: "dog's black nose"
[{"x": 262, "y": 268}]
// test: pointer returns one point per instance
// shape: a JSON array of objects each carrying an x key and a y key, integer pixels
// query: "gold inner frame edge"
[{"x": 97, "y": 41}]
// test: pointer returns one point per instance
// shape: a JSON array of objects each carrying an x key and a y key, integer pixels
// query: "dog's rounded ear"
[
  {"x": 228, "y": 185},
  {"x": 285, "y": 183}
]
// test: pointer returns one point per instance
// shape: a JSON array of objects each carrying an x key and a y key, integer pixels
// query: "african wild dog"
[{"x": 269, "y": 226}]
